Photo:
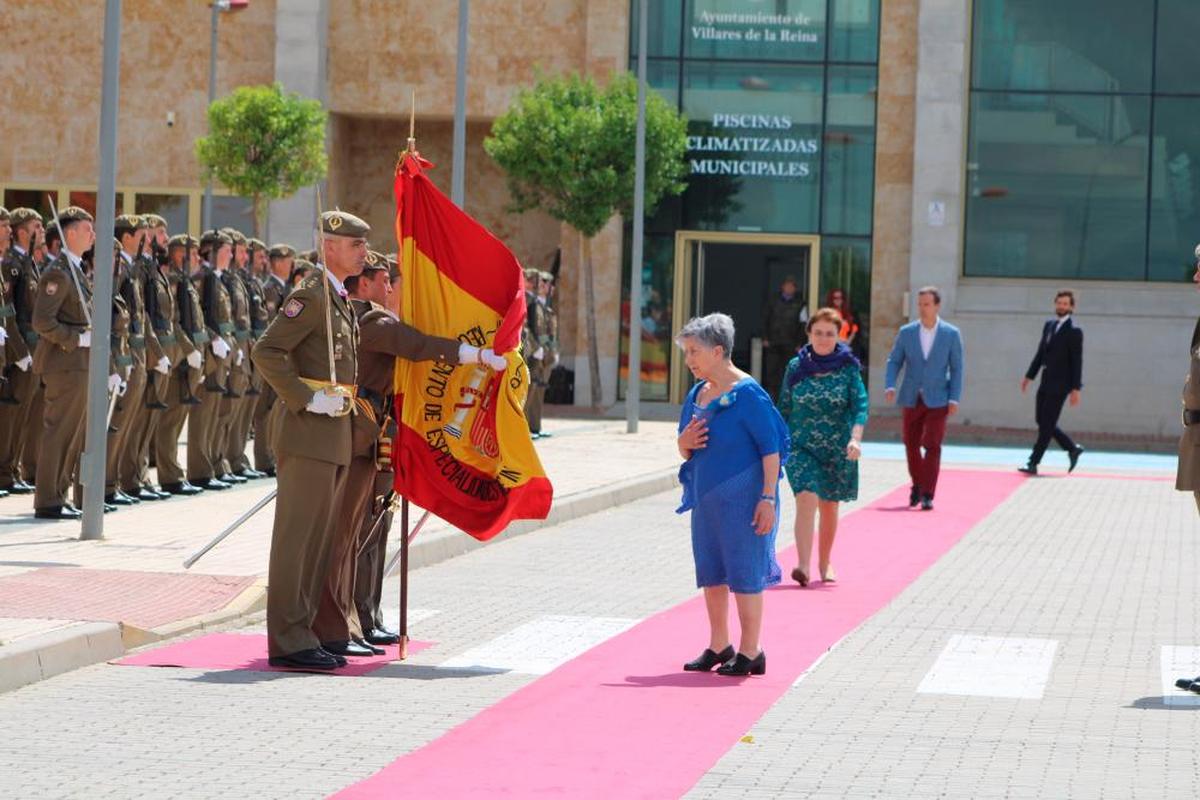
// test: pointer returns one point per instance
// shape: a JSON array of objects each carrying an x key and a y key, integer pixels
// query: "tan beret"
[
  {"x": 341, "y": 223},
  {"x": 153, "y": 221},
  {"x": 128, "y": 224},
  {"x": 236, "y": 237},
  {"x": 214, "y": 238},
  {"x": 74, "y": 214},
  {"x": 19, "y": 216},
  {"x": 281, "y": 251}
]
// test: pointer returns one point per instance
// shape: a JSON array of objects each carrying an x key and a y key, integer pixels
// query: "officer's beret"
[
  {"x": 235, "y": 236},
  {"x": 74, "y": 214},
  {"x": 214, "y": 238},
  {"x": 19, "y": 216},
  {"x": 193, "y": 241},
  {"x": 340, "y": 223},
  {"x": 127, "y": 224},
  {"x": 393, "y": 270},
  {"x": 281, "y": 251},
  {"x": 153, "y": 221},
  {"x": 532, "y": 273},
  {"x": 546, "y": 277},
  {"x": 255, "y": 244},
  {"x": 178, "y": 240},
  {"x": 3, "y": 214},
  {"x": 376, "y": 262}
]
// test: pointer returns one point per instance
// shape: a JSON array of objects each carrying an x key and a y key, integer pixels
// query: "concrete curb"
[{"x": 42, "y": 656}]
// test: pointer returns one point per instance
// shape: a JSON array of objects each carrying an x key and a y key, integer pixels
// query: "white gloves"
[
  {"x": 540, "y": 353},
  {"x": 195, "y": 359},
  {"x": 114, "y": 383},
  {"x": 25, "y": 363},
  {"x": 3, "y": 335},
  {"x": 220, "y": 347},
  {"x": 241, "y": 356},
  {"x": 468, "y": 354},
  {"x": 163, "y": 365},
  {"x": 85, "y": 339},
  {"x": 322, "y": 403}
]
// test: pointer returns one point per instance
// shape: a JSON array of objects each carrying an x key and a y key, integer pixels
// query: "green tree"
[
  {"x": 567, "y": 147},
  {"x": 264, "y": 143}
]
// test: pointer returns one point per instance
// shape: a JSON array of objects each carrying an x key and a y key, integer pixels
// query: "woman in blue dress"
[
  {"x": 733, "y": 443},
  {"x": 824, "y": 402}
]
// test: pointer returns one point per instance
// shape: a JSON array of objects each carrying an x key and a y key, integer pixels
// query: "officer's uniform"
[
  {"x": 203, "y": 456},
  {"x": 21, "y": 392},
  {"x": 1187, "y": 478},
  {"x": 275, "y": 291},
  {"x": 183, "y": 386},
  {"x": 539, "y": 318},
  {"x": 313, "y": 450},
  {"x": 59, "y": 318},
  {"x": 382, "y": 339},
  {"x": 239, "y": 433}
]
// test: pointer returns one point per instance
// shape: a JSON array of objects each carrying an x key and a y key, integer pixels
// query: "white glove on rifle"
[
  {"x": 85, "y": 339},
  {"x": 195, "y": 359},
  {"x": 241, "y": 356},
  {"x": 326, "y": 404},
  {"x": 539, "y": 354},
  {"x": 468, "y": 354},
  {"x": 163, "y": 365},
  {"x": 220, "y": 347},
  {"x": 25, "y": 363},
  {"x": 3, "y": 335},
  {"x": 114, "y": 383}
]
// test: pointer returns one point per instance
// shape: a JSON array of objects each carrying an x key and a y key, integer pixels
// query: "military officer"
[
  {"x": 275, "y": 288},
  {"x": 203, "y": 455},
  {"x": 239, "y": 435},
  {"x": 538, "y": 323},
  {"x": 19, "y": 395},
  {"x": 61, "y": 360},
  {"x": 313, "y": 448}
]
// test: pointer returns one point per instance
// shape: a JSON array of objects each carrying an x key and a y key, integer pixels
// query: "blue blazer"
[{"x": 937, "y": 380}]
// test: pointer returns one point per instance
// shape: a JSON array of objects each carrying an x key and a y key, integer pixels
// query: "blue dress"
[{"x": 721, "y": 485}]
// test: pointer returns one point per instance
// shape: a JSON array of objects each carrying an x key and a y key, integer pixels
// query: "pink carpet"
[
  {"x": 623, "y": 720},
  {"x": 244, "y": 651}
]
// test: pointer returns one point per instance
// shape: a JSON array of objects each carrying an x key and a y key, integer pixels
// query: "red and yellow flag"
[{"x": 463, "y": 449}]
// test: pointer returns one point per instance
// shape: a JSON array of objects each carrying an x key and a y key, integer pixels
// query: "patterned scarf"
[{"x": 810, "y": 364}]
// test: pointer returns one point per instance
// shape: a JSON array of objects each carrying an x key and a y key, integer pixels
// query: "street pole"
[
  {"x": 217, "y": 7},
  {"x": 96, "y": 436},
  {"x": 633, "y": 384},
  {"x": 458, "y": 170}
]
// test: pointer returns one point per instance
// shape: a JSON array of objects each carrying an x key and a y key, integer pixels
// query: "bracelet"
[{"x": 768, "y": 497}]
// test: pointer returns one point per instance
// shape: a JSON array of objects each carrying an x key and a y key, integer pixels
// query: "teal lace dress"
[{"x": 820, "y": 411}]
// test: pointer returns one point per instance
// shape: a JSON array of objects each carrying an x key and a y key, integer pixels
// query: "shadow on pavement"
[
  {"x": 1160, "y": 704},
  {"x": 242, "y": 677}
]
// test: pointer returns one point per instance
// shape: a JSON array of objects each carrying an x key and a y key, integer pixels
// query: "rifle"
[{"x": 151, "y": 302}]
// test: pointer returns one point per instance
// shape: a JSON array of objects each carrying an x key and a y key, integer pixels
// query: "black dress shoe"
[
  {"x": 709, "y": 659},
  {"x": 183, "y": 488},
  {"x": 132, "y": 500},
  {"x": 57, "y": 512},
  {"x": 251, "y": 474},
  {"x": 1028, "y": 469},
  {"x": 109, "y": 508},
  {"x": 346, "y": 648},
  {"x": 381, "y": 636},
  {"x": 339, "y": 660},
  {"x": 375, "y": 651},
  {"x": 744, "y": 665},
  {"x": 212, "y": 484},
  {"x": 230, "y": 478},
  {"x": 305, "y": 659},
  {"x": 927, "y": 502},
  {"x": 269, "y": 472},
  {"x": 914, "y": 496},
  {"x": 18, "y": 487},
  {"x": 71, "y": 507},
  {"x": 145, "y": 494},
  {"x": 117, "y": 499},
  {"x": 3, "y": 492},
  {"x": 1073, "y": 456},
  {"x": 1184, "y": 683}
]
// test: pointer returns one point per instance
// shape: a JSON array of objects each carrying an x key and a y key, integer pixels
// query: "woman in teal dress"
[{"x": 824, "y": 402}]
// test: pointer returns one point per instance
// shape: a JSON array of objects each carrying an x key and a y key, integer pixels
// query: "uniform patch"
[
  {"x": 51, "y": 289},
  {"x": 292, "y": 308}
]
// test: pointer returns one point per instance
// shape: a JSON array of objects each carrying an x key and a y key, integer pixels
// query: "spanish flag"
[{"x": 462, "y": 449}]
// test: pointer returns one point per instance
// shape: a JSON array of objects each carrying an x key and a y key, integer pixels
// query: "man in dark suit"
[{"x": 1060, "y": 359}]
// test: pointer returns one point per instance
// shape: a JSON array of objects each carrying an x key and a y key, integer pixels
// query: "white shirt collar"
[
  {"x": 1060, "y": 321},
  {"x": 18, "y": 248},
  {"x": 936, "y": 322},
  {"x": 128, "y": 259},
  {"x": 74, "y": 260},
  {"x": 334, "y": 282}
]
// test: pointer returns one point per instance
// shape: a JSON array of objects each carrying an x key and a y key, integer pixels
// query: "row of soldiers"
[
  {"x": 539, "y": 343},
  {"x": 185, "y": 314}
]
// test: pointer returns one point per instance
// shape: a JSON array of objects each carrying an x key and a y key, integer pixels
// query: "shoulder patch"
[
  {"x": 293, "y": 307},
  {"x": 52, "y": 288}
]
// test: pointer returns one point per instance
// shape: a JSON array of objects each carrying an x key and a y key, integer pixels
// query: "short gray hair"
[{"x": 711, "y": 330}]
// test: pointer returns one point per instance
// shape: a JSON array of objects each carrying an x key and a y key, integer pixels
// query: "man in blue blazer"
[
  {"x": 1059, "y": 358},
  {"x": 930, "y": 351}
]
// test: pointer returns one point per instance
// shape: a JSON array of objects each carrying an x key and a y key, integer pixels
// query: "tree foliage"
[{"x": 264, "y": 143}]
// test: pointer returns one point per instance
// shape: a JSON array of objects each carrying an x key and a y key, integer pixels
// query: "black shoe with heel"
[
  {"x": 914, "y": 496},
  {"x": 709, "y": 659},
  {"x": 741, "y": 665}
]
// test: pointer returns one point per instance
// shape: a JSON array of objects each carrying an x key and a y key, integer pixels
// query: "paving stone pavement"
[{"x": 1105, "y": 567}]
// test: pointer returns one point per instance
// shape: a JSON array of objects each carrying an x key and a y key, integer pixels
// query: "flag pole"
[{"x": 403, "y": 630}]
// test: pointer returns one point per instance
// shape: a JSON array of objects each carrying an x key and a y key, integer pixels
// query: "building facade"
[{"x": 999, "y": 149}]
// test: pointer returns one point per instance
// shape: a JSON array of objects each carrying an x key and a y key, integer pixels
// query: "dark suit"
[{"x": 1059, "y": 357}]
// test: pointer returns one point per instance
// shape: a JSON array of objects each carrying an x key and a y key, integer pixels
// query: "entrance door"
[{"x": 738, "y": 274}]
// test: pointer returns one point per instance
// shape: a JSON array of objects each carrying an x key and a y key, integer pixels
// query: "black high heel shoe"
[
  {"x": 709, "y": 659},
  {"x": 743, "y": 665}
]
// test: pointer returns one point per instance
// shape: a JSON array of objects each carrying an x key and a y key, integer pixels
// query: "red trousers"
[{"x": 924, "y": 427}]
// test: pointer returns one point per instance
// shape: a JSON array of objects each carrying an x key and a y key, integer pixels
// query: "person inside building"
[{"x": 783, "y": 332}]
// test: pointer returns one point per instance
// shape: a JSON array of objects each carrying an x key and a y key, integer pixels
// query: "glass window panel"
[
  {"x": 1064, "y": 45},
  {"x": 30, "y": 198},
  {"x": 171, "y": 207},
  {"x": 658, "y": 287},
  {"x": 1178, "y": 32},
  {"x": 849, "y": 171},
  {"x": 753, "y": 147},
  {"x": 846, "y": 269},
  {"x": 854, "y": 30},
  {"x": 233, "y": 212},
  {"x": 662, "y": 34},
  {"x": 1057, "y": 186},
  {"x": 782, "y": 30},
  {"x": 87, "y": 201},
  {"x": 1175, "y": 188},
  {"x": 662, "y": 77}
]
